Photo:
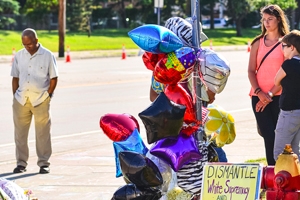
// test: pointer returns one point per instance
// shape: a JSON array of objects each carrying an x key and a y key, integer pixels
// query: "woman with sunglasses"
[
  {"x": 262, "y": 69},
  {"x": 288, "y": 77}
]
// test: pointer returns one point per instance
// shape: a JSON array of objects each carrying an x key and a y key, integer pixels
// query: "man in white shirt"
[{"x": 34, "y": 73}]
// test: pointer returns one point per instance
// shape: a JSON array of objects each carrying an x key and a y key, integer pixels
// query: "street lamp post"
[
  {"x": 158, "y": 4},
  {"x": 195, "y": 15}
]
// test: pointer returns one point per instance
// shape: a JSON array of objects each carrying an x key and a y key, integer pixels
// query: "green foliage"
[
  {"x": 286, "y": 4},
  {"x": 259, "y": 160},
  {"x": 8, "y": 8},
  {"x": 38, "y": 11},
  {"x": 79, "y": 14},
  {"x": 112, "y": 39}
]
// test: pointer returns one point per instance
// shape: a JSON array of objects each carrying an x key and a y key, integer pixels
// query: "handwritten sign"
[{"x": 226, "y": 181}]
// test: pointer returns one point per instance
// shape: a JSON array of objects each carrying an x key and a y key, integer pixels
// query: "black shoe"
[
  {"x": 19, "y": 169},
  {"x": 44, "y": 169}
]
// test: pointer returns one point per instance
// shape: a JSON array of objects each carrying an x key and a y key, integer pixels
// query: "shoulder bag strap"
[{"x": 266, "y": 57}]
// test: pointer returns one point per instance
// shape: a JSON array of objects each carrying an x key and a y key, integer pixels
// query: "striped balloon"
[{"x": 189, "y": 177}]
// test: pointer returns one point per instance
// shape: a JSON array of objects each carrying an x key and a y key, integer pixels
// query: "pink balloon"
[{"x": 118, "y": 127}]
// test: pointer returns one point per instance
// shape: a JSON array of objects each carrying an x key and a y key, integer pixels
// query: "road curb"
[{"x": 118, "y": 53}]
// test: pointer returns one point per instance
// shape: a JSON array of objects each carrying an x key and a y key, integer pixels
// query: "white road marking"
[{"x": 97, "y": 131}]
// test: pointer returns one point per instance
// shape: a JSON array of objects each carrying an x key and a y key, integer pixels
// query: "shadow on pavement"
[{"x": 18, "y": 176}]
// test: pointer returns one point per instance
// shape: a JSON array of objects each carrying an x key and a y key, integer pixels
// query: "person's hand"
[
  {"x": 260, "y": 106},
  {"x": 211, "y": 96},
  {"x": 264, "y": 97}
]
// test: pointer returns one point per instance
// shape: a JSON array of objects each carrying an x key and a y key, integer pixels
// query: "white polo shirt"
[{"x": 34, "y": 73}]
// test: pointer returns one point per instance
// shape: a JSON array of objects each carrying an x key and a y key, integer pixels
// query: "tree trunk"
[
  {"x": 212, "y": 16},
  {"x": 123, "y": 14},
  {"x": 297, "y": 17},
  {"x": 188, "y": 8},
  {"x": 61, "y": 27},
  {"x": 239, "y": 27}
]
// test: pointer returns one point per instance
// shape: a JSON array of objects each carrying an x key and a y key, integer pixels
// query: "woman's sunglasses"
[{"x": 272, "y": 10}]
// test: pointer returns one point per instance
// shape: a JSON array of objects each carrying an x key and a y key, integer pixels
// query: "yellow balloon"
[{"x": 221, "y": 123}]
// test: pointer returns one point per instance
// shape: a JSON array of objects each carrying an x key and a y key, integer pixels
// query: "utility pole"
[
  {"x": 195, "y": 14},
  {"x": 61, "y": 27},
  {"x": 158, "y": 5}
]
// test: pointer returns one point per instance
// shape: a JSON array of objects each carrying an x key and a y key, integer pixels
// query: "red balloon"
[
  {"x": 164, "y": 75},
  {"x": 190, "y": 129},
  {"x": 179, "y": 95},
  {"x": 118, "y": 127},
  {"x": 150, "y": 59}
]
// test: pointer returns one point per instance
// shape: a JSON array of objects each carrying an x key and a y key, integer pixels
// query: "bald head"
[
  {"x": 30, "y": 40},
  {"x": 30, "y": 33}
]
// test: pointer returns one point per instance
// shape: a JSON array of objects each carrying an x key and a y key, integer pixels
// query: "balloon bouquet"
[{"x": 172, "y": 168}]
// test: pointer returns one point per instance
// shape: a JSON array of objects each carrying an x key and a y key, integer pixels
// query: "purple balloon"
[
  {"x": 177, "y": 151},
  {"x": 155, "y": 39},
  {"x": 186, "y": 56}
]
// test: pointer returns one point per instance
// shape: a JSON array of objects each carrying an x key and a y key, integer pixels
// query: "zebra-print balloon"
[
  {"x": 189, "y": 177},
  {"x": 182, "y": 28}
]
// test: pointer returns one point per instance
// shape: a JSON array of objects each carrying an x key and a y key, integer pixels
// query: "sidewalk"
[
  {"x": 78, "y": 170},
  {"x": 116, "y": 53},
  {"x": 86, "y": 170},
  {"x": 83, "y": 164}
]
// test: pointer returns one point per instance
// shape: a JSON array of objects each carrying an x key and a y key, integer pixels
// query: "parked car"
[
  {"x": 256, "y": 26},
  {"x": 219, "y": 23}
]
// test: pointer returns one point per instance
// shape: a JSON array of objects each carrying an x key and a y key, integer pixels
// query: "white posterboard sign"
[
  {"x": 158, "y": 3},
  {"x": 228, "y": 181}
]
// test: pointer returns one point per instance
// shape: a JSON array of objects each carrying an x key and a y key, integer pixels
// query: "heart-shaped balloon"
[
  {"x": 118, "y": 127},
  {"x": 151, "y": 59},
  {"x": 179, "y": 95}
]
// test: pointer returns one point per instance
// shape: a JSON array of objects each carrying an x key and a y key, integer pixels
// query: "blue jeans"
[{"x": 221, "y": 154}]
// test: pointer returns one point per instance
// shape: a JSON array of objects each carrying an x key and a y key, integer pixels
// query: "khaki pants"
[{"x": 22, "y": 116}]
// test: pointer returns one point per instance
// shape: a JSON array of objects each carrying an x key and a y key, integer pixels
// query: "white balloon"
[
  {"x": 215, "y": 70},
  {"x": 165, "y": 170}
]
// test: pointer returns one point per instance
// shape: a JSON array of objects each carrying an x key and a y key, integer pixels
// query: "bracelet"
[
  {"x": 270, "y": 94},
  {"x": 257, "y": 90}
]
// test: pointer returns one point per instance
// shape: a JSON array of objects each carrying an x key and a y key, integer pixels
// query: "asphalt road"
[{"x": 91, "y": 88}]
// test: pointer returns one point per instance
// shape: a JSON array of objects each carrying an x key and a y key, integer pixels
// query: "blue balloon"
[
  {"x": 133, "y": 143},
  {"x": 155, "y": 39}
]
